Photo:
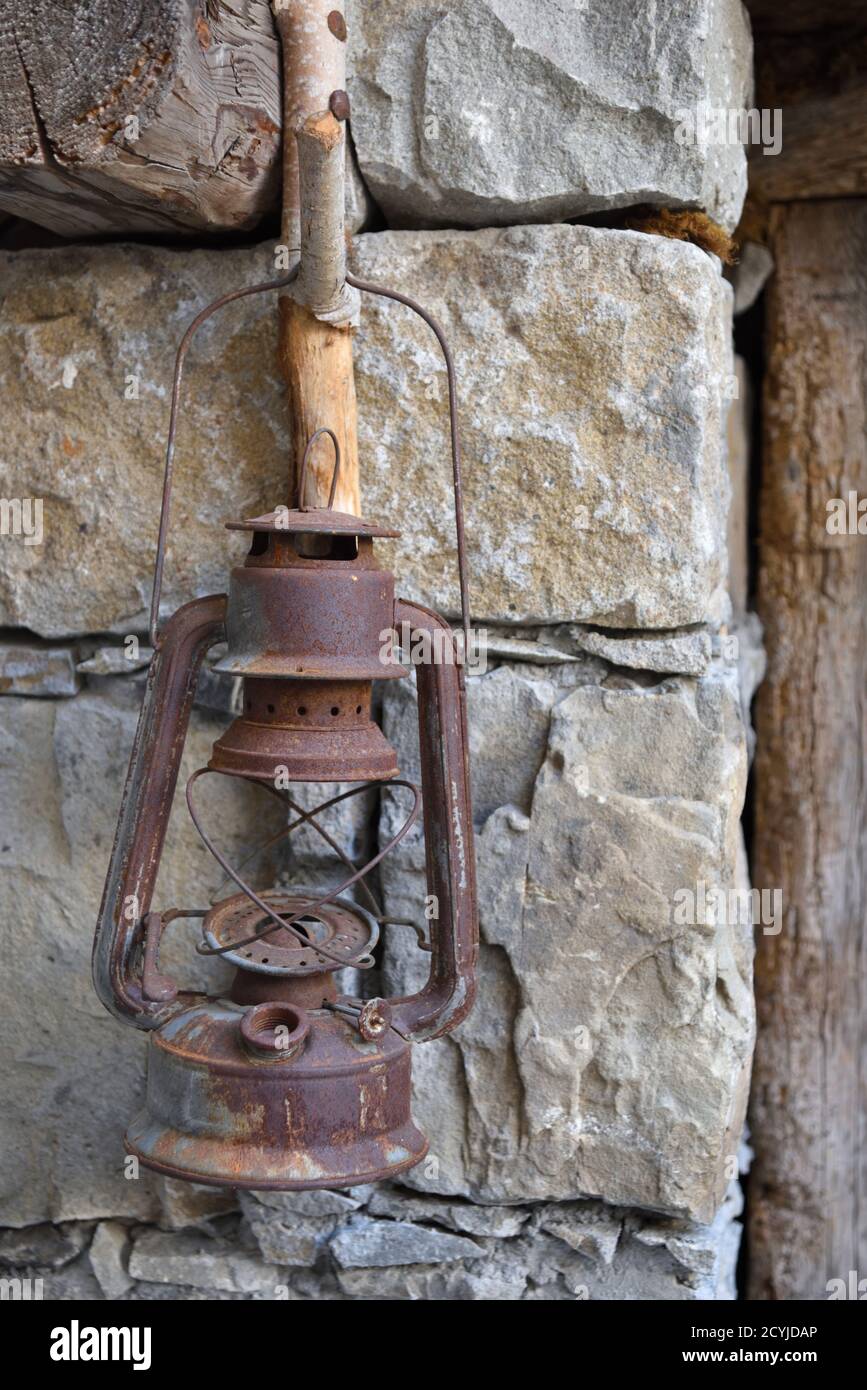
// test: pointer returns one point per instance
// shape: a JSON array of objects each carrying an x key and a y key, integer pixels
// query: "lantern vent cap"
[{"x": 318, "y": 520}]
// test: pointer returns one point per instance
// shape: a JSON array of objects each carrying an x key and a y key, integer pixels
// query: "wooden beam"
[
  {"x": 129, "y": 116},
  {"x": 807, "y": 1214}
]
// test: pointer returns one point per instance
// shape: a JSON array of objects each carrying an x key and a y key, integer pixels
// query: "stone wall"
[{"x": 586, "y": 1120}]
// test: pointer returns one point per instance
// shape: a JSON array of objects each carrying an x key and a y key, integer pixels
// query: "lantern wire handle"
[
  {"x": 165, "y": 508},
  {"x": 457, "y": 479}
]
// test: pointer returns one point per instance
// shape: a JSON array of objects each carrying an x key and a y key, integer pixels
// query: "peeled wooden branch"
[
  {"x": 314, "y": 66},
  {"x": 321, "y": 285},
  {"x": 315, "y": 319}
]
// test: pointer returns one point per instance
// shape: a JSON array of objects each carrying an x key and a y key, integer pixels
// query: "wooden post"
[
  {"x": 315, "y": 326},
  {"x": 807, "y": 1213}
]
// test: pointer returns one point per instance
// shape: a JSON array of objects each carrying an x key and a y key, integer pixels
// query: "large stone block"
[
  {"x": 73, "y": 1076},
  {"x": 608, "y": 1053},
  {"x": 485, "y": 112},
  {"x": 87, "y": 346},
  {"x": 593, "y": 367}
]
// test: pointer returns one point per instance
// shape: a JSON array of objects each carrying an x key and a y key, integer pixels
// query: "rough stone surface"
[
  {"x": 592, "y": 368},
  {"x": 485, "y": 112},
  {"x": 80, "y": 328},
  {"x": 682, "y": 653},
  {"x": 755, "y": 266},
  {"x": 529, "y": 648},
  {"x": 108, "y": 1253},
  {"x": 366, "y": 1244},
  {"x": 560, "y": 1251},
  {"x": 29, "y": 669},
  {"x": 608, "y": 1053},
  {"x": 168, "y": 1257},
  {"x": 45, "y": 1246},
  {"x": 456, "y": 1216},
  {"x": 73, "y": 1283},
  {"x": 565, "y": 1251},
  {"x": 189, "y": 1204},
  {"x": 115, "y": 661},
  {"x": 73, "y": 1076},
  {"x": 291, "y": 1228}
]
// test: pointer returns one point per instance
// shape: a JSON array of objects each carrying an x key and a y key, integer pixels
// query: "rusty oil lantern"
[{"x": 282, "y": 1082}]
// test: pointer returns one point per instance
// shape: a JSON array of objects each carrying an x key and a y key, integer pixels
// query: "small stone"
[
  {"x": 41, "y": 1247},
  {"x": 180, "y": 1293},
  {"x": 675, "y": 652},
  {"x": 364, "y": 1244},
  {"x": 706, "y": 1253},
  {"x": 74, "y": 1283},
  {"x": 592, "y": 1230},
  {"x": 755, "y": 266},
  {"x": 115, "y": 661},
  {"x": 164, "y": 1257},
  {"x": 291, "y": 1227},
  {"x": 497, "y": 645},
  {"x": 108, "y": 1254},
  {"x": 316, "y": 1203},
  {"x": 31, "y": 669},
  {"x": 500, "y": 1222},
  {"x": 186, "y": 1204},
  {"x": 433, "y": 1283}
]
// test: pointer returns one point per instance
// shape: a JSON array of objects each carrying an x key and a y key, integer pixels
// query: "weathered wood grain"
[
  {"x": 807, "y": 1207},
  {"x": 124, "y": 116}
]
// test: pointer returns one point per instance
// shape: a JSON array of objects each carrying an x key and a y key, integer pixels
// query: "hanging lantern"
[{"x": 283, "y": 1082}]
